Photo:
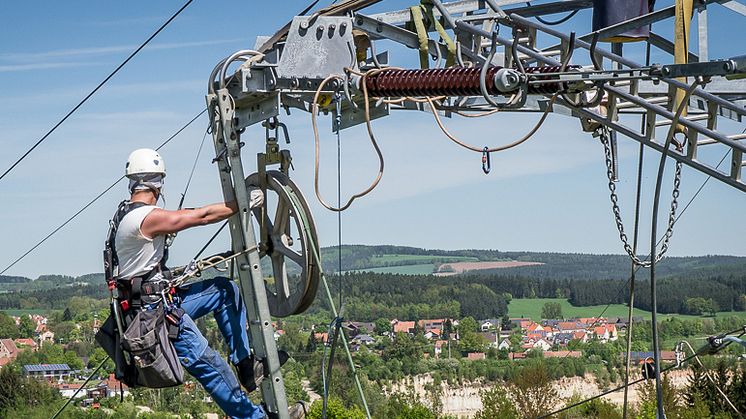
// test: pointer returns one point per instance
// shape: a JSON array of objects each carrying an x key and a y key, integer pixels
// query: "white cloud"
[
  {"x": 43, "y": 66},
  {"x": 82, "y": 52}
]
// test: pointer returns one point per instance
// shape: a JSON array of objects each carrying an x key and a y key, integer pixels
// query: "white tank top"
[{"x": 137, "y": 254}]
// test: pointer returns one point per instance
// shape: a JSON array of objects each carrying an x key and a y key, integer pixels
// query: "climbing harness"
[{"x": 140, "y": 305}]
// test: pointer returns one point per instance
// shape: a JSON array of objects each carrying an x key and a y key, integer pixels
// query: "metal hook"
[
  {"x": 483, "y": 72},
  {"x": 592, "y": 50},
  {"x": 346, "y": 88},
  {"x": 514, "y": 51},
  {"x": 486, "y": 165}
]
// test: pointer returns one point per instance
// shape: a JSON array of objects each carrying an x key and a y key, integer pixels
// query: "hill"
[{"x": 393, "y": 259}]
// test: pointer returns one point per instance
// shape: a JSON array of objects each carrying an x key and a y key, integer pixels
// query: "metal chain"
[{"x": 617, "y": 212}]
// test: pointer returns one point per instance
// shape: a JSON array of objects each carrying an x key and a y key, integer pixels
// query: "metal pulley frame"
[
  {"x": 227, "y": 141},
  {"x": 286, "y": 238}
]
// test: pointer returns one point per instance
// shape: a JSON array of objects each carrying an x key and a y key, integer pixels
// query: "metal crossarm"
[{"x": 261, "y": 332}]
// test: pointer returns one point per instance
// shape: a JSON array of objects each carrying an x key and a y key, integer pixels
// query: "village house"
[
  {"x": 67, "y": 390},
  {"x": 8, "y": 351},
  {"x": 46, "y": 336},
  {"x": 399, "y": 326},
  {"x": 363, "y": 339},
  {"x": 355, "y": 328},
  {"x": 489, "y": 324},
  {"x": 433, "y": 334},
  {"x": 48, "y": 371},
  {"x": 605, "y": 333},
  {"x": 26, "y": 343},
  {"x": 504, "y": 345},
  {"x": 563, "y": 338},
  {"x": 520, "y": 322},
  {"x": 112, "y": 386}
]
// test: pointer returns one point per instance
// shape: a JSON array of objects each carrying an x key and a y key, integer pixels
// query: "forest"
[{"x": 692, "y": 285}]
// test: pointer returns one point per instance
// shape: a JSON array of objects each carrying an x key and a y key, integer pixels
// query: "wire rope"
[
  {"x": 635, "y": 233},
  {"x": 653, "y": 230},
  {"x": 314, "y": 111},
  {"x": 96, "y": 198},
  {"x": 92, "y": 92},
  {"x": 519, "y": 141},
  {"x": 555, "y": 22},
  {"x": 712, "y": 380},
  {"x": 632, "y": 277}
]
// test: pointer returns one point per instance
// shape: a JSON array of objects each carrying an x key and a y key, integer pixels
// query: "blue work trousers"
[{"x": 220, "y": 297}]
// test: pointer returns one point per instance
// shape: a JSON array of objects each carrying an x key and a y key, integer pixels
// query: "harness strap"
[
  {"x": 422, "y": 38},
  {"x": 136, "y": 293},
  {"x": 451, "y": 57}
]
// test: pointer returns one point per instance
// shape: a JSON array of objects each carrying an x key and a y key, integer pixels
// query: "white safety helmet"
[{"x": 145, "y": 161}]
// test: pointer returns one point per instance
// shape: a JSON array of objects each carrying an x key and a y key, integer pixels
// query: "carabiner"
[{"x": 486, "y": 166}]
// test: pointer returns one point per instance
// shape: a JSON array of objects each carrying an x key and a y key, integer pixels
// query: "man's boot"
[{"x": 251, "y": 371}]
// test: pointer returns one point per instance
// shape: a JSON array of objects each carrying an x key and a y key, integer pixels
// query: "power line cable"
[
  {"x": 95, "y": 199},
  {"x": 85, "y": 99}
]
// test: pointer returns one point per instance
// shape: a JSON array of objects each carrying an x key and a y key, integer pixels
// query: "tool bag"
[{"x": 152, "y": 356}]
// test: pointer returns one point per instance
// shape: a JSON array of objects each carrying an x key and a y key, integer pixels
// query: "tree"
[
  {"x": 311, "y": 343},
  {"x": 533, "y": 392},
  {"x": 551, "y": 310},
  {"x": 470, "y": 340},
  {"x": 496, "y": 404},
  {"x": 26, "y": 327},
  {"x": 335, "y": 410},
  {"x": 382, "y": 326},
  {"x": 8, "y": 328},
  {"x": 67, "y": 315},
  {"x": 648, "y": 399}
]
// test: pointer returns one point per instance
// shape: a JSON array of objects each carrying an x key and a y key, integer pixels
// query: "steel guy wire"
[
  {"x": 100, "y": 85},
  {"x": 96, "y": 198},
  {"x": 712, "y": 380}
]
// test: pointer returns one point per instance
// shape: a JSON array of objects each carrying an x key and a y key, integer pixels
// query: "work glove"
[{"x": 256, "y": 197}]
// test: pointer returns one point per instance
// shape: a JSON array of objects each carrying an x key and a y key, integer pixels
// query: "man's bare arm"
[{"x": 160, "y": 222}]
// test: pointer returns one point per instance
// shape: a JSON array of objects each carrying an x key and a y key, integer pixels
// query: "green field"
[
  {"x": 400, "y": 258},
  {"x": 420, "y": 269},
  {"x": 531, "y": 308}
]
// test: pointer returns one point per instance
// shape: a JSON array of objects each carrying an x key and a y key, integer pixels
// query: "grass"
[
  {"x": 420, "y": 269},
  {"x": 531, "y": 308},
  {"x": 406, "y": 258}
]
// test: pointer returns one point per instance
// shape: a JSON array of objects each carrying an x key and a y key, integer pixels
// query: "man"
[{"x": 140, "y": 251}]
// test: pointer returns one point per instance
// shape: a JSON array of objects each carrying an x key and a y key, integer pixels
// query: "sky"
[{"x": 549, "y": 194}]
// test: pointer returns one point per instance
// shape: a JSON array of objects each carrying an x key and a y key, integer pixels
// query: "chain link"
[{"x": 617, "y": 212}]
